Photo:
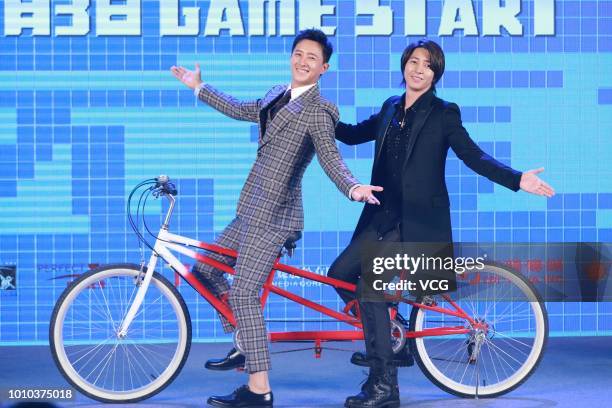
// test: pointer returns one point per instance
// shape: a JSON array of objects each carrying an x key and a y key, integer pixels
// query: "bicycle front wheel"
[
  {"x": 504, "y": 342},
  {"x": 111, "y": 368}
]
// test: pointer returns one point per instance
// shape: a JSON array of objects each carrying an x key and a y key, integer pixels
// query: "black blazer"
[{"x": 426, "y": 206}]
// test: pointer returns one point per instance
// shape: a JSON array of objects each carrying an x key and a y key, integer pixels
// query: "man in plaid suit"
[{"x": 295, "y": 123}]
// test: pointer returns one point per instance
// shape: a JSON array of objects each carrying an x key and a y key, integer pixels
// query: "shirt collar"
[
  {"x": 422, "y": 100},
  {"x": 296, "y": 92}
]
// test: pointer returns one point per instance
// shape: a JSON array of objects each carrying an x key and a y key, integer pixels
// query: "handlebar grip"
[
  {"x": 167, "y": 187},
  {"x": 170, "y": 189}
]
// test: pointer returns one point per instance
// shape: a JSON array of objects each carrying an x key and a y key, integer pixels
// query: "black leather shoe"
[
  {"x": 401, "y": 359},
  {"x": 378, "y": 392},
  {"x": 233, "y": 360},
  {"x": 242, "y": 397}
]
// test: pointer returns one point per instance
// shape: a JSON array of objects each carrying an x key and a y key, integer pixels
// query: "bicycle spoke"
[
  {"x": 506, "y": 338},
  {"x": 147, "y": 360},
  {"x": 116, "y": 368},
  {"x": 108, "y": 312},
  {"x": 107, "y": 359},
  {"x": 511, "y": 319},
  {"x": 149, "y": 305},
  {"x": 508, "y": 324},
  {"x": 504, "y": 352},
  {"x": 492, "y": 363},
  {"x": 96, "y": 349},
  {"x": 503, "y": 362},
  {"x": 96, "y": 366},
  {"x": 129, "y": 361},
  {"x": 458, "y": 365},
  {"x": 128, "y": 302}
]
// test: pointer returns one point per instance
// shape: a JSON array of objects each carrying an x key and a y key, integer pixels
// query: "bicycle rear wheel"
[
  {"x": 498, "y": 355},
  {"x": 101, "y": 364}
]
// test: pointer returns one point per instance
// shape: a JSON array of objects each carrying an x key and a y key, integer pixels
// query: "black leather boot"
[
  {"x": 401, "y": 359},
  {"x": 242, "y": 397},
  {"x": 233, "y": 360},
  {"x": 379, "y": 391}
]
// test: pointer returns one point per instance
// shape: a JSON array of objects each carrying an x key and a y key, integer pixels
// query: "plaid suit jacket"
[{"x": 272, "y": 193}]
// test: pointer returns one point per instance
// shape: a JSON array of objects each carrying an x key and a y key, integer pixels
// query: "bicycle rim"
[
  {"x": 508, "y": 351},
  {"x": 102, "y": 365}
]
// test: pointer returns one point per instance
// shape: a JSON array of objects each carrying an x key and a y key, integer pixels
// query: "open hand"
[
  {"x": 365, "y": 194},
  {"x": 192, "y": 79},
  {"x": 535, "y": 185}
]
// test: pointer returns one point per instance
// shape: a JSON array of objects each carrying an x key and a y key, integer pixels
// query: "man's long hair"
[{"x": 436, "y": 59}]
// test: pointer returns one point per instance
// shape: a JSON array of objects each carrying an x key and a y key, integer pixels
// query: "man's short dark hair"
[
  {"x": 316, "y": 35},
  {"x": 436, "y": 58}
]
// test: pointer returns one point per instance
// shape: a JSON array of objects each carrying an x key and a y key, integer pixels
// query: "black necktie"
[{"x": 280, "y": 103}]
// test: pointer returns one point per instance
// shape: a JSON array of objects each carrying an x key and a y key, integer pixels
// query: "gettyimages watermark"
[{"x": 559, "y": 272}]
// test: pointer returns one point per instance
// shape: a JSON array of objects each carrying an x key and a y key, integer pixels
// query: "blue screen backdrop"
[{"x": 85, "y": 118}]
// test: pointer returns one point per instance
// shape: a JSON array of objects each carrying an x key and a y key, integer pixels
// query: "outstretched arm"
[
  {"x": 469, "y": 152},
  {"x": 535, "y": 185},
  {"x": 321, "y": 130},
  {"x": 191, "y": 79},
  {"x": 226, "y": 104},
  {"x": 364, "y": 131}
]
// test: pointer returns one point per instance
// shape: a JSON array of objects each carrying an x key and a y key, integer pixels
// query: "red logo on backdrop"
[
  {"x": 555, "y": 265},
  {"x": 535, "y": 265},
  {"x": 71, "y": 277}
]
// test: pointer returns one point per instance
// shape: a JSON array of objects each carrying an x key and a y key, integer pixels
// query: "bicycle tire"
[
  {"x": 59, "y": 336},
  {"x": 425, "y": 361}
]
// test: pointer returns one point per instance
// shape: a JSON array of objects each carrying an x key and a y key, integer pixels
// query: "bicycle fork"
[{"x": 143, "y": 285}]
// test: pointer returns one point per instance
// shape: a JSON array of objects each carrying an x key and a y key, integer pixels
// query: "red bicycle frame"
[{"x": 222, "y": 306}]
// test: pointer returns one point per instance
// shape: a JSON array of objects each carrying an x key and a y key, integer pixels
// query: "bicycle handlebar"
[{"x": 166, "y": 187}]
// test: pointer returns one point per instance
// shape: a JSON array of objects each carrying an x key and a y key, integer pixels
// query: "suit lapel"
[
  {"x": 267, "y": 103},
  {"x": 386, "y": 121},
  {"x": 288, "y": 112},
  {"x": 419, "y": 121}
]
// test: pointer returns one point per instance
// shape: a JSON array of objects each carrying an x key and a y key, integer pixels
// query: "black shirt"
[{"x": 392, "y": 158}]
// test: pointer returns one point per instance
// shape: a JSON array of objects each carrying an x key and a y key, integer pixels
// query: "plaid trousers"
[{"x": 257, "y": 246}]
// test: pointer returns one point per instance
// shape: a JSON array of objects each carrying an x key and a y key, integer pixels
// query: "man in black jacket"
[{"x": 412, "y": 135}]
